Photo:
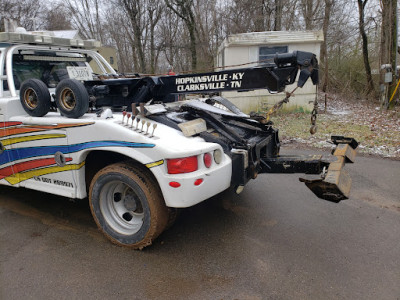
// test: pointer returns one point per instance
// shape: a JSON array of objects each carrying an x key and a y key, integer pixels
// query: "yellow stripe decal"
[
  {"x": 17, "y": 178},
  {"x": 29, "y": 138},
  {"x": 155, "y": 164}
]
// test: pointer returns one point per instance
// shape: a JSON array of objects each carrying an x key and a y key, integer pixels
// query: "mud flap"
[{"x": 336, "y": 183}]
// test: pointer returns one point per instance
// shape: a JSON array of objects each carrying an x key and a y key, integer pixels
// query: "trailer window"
[{"x": 267, "y": 54}]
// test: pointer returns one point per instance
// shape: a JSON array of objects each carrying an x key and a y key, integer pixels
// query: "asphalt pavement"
[{"x": 274, "y": 241}]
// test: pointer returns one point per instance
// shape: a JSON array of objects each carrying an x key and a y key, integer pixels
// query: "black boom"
[{"x": 122, "y": 92}]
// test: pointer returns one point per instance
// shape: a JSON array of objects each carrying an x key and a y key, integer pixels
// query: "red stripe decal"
[
  {"x": 8, "y": 124},
  {"x": 28, "y": 165}
]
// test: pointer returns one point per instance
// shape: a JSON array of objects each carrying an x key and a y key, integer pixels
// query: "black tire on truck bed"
[
  {"x": 72, "y": 98},
  {"x": 35, "y": 97}
]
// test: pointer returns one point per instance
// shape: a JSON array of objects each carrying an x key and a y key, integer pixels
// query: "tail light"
[
  {"x": 207, "y": 160},
  {"x": 182, "y": 165},
  {"x": 218, "y": 156}
]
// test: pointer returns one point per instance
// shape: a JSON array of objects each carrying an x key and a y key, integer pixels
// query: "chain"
[
  {"x": 278, "y": 105},
  {"x": 313, "y": 128}
]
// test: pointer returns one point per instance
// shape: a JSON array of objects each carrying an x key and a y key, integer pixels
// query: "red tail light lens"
[
  {"x": 207, "y": 160},
  {"x": 174, "y": 184},
  {"x": 182, "y": 165},
  {"x": 198, "y": 181}
]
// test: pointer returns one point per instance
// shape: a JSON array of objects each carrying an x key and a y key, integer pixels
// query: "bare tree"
[
  {"x": 184, "y": 10},
  {"x": 290, "y": 19},
  {"x": 278, "y": 15},
  {"x": 135, "y": 10},
  {"x": 27, "y": 14},
  {"x": 118, "y": 35},
  {"x": 239, "y": 16},
  {"x": 154, "y": 12},
  {"x": 361, "y": 25},
  {"x": 172, "y": 47},
  {"x": 310, "y": 9},
  {"x": 263, "y": 10},
  {"x": 57, "y": 18},
  {"x": 86, "y": 17},
  {"x": 208, "y": 32},
  {"x": 324, "y": 51}
]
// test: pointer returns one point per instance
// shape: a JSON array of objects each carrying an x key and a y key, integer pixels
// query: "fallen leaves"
[{"x": 378, "y": 131}]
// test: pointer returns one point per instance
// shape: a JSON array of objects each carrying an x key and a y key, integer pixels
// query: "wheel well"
[{"x": 97, "y": 160}]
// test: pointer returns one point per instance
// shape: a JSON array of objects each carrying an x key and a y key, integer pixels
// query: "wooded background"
[{"x": 151, "y": 35}]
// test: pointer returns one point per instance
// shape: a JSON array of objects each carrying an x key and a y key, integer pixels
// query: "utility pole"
[
  {"x": 394, "y": 46},
  {"x": 388, "y": 50}
]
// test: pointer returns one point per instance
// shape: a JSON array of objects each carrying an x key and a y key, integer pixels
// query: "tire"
[
  {"x": 127, "y": 205},
  {"x": 35, "y": 97},
  {"x": 72, "y": 98}
]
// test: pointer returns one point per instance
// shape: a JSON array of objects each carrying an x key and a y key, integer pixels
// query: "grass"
[{"x": 373, "y": 140}]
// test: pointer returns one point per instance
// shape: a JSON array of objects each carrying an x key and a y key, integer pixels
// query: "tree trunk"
[
  {"x": 278, "y": 15},
  {"x": 259, "y": 17},
  {"x": 133, "y": 10},
  {"x": 361, "y": 25},
  {"x": 324, "y": 51},
  {"x": 193, "y": 51},
  {"x": 183, "y": 9},
  {"x": 154, "y": 11},
  {"x": 307, "y": 13}
]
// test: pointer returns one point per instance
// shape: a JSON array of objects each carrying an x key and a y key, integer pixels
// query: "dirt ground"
[{"x": 377, "y": 130}]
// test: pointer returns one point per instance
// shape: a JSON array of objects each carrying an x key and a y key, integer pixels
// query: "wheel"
[
  {"x": 127, "y": 205},
  {"x": 72, "y": 98},
  {"x": 35, "y": 97}
]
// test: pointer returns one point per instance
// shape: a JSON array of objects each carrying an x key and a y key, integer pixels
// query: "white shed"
[{"x": 257, "y": 48}]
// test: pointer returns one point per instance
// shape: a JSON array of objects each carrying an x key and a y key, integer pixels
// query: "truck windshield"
[{"x": 48, "y": 71}]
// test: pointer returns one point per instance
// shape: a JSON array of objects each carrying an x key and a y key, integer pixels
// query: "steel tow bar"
[{"x": 335, "y": 183}]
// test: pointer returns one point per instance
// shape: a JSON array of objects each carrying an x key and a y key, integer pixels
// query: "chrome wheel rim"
[{"x": 121, "y": 208}]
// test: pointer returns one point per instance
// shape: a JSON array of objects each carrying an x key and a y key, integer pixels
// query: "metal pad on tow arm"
[{"x": 335, "y": 185}]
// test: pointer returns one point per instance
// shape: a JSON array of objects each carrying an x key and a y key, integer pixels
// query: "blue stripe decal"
[{"x": 22, "y": 153}]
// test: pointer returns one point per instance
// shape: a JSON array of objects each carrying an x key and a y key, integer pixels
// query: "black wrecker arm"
[{"x": 274, "y": 78}]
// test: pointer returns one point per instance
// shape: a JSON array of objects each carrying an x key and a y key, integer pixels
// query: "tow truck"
[{"x": 126, "y": 144}]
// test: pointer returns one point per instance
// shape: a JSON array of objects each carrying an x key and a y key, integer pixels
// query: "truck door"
[
  {"x": 6, "y": 163},
  {"x": 41, "y": 155}
]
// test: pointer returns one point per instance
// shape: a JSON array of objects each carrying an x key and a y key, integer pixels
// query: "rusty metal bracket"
[
  {"x": 345, "y": 151},
  {"x": 335, "y": 185}
]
